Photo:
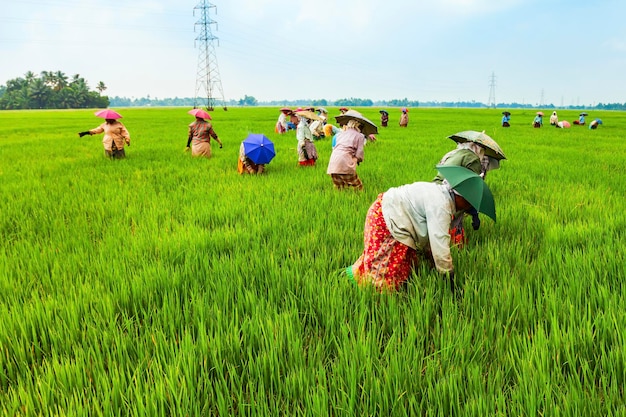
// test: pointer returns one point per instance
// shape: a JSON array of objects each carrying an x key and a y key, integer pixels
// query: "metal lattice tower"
[
  {"x": 208, "y": 82},
  {"x": 492, "y": 91}
]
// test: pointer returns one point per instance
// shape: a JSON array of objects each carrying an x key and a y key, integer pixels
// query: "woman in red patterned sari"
[{"x": 407, "y": 225}]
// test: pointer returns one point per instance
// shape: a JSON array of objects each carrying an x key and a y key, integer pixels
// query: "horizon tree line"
[
  {"x": 55, "y": 90},
  {"x": 51, "y": 90}
]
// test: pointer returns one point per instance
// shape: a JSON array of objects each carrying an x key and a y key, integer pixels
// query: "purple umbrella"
[{"x": 259, "y": 148}]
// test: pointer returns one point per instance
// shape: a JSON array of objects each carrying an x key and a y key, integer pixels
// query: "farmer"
[
  {"x": 554, "y": 119},
  {"x": 409, "y": 224},
  {"x": 281, "y": 123},
  {"x": 317, "y": 129},
  {"x": 330, "y": 131},
  {"x": 307, "y": 153},
  {"x": 384, "y": 117},
  {"x": 200, "y": 134},
  {"x": 595, "y": 123},
  {"x": 245, "y": 164},
  {"x": 506, "y": 118},
  {"x": 404, "y": 118},
  {"x": 468, "y": 155},
  {"x": 292, "y": 124},
  {"x": 348, "y": 152},
  {"x": 115, "y": 137},
  {"x": 538, "y": 121},
  {"x": 581, "y": 119},
  {"x": 471, "y": 155}
]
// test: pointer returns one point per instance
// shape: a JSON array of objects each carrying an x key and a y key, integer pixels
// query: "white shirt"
[{"x": 419, "y": 215}]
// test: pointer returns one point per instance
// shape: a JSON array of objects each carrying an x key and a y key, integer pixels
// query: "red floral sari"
[{"x": 385, "y": 262}]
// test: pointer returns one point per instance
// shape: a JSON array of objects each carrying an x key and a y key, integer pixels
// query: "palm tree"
[
  {"x": 61, "y": 80},
  {"x": 16, "y": 84},
  {"x": 48, "y": 78},
  {"x": 81, "y": 91},
  {"x": 101, "y": 87},
  {"x": 39, "y": 93},
  {"x": 30, "y": 77}
]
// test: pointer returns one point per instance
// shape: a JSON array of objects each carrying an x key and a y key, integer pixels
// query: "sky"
[{"x": 561, "y": 52}]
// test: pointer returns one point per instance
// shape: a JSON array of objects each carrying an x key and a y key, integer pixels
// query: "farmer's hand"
[
  {"x": 128, "y": 142},
  {"x": 81, "y": 134},
  {"x": 187, "y": 149},
  {"x": 220, "y": 146},
  {"x": 475, "y": 221}
]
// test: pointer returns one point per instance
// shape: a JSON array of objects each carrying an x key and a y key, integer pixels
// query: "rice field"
[{"x": 165, "y": 285}]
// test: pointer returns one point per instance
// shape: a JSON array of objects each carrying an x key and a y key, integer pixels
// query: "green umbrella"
[
  {"x": 491, "y": 146},
  {"x": 471, "y": 187}
]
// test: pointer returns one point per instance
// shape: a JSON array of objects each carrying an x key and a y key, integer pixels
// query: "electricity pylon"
[
  {"x": 208, "y": 82},
  {"x": 492, "y": 91}
]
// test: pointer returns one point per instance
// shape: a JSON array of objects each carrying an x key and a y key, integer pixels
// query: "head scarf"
[
  {"x": 474, "y": 147},
  {"x": 354, "y": 124}
]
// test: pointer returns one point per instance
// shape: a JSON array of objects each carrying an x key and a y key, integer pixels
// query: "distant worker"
[
  {"x": 404, "y": 118},
  {"x": 581, "y": 119},
  {"x": 554, "y": 119},
  {"x": 538, "y": 121},
  {"x": 281, "y": 123},
  {"x": 348, "y": 152},
  {"x": 292, "y": 124},
  {"x": 384, "y": 118},
  {"x": 307, "y": 153},
  {"x": 506, "y": 118},
  {"x": 595, "y": 123}
]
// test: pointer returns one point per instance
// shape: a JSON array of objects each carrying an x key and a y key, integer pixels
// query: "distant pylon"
[
  {"x": 492, "y": 91},
  {"x": 208, "y": 83}
]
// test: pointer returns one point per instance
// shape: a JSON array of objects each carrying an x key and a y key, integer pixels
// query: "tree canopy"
[{"x": 50, "y": 90}]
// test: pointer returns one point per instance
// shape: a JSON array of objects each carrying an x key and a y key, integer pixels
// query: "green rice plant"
[{"x": 168, "y": 285}]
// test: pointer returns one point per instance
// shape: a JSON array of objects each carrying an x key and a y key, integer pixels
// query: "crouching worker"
[
  {"x": 408, "y": 225},
  {"x": 245, "y": 165}
]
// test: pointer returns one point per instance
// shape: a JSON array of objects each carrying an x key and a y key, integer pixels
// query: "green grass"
[{"x": 167, "y": 285}]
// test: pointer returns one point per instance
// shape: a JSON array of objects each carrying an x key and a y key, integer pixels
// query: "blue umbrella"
[{"x": 259, "y": 148}]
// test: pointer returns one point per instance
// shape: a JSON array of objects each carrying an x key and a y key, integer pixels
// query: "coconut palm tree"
[
  {"x": 29, "y": 77},
  {"x": 61, "y": 80},
  {"x": 39, "y": 93},
  {"x": 101, "y": 87}
]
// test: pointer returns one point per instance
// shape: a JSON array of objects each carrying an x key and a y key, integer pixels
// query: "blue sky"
[{"x": 564, "y": 51}]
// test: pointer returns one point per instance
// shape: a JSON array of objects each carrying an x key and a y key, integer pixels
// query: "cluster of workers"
[
  {"x": 554, "y": 120},
  {"x": 405, "y": 226}
]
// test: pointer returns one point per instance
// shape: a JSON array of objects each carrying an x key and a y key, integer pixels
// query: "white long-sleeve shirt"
[{"x": 419, "y": 215}]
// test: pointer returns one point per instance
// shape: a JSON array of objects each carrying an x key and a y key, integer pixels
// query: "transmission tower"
[
  {"x": 208, "y": 83},
  {"x": 492, "y": 91}
]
